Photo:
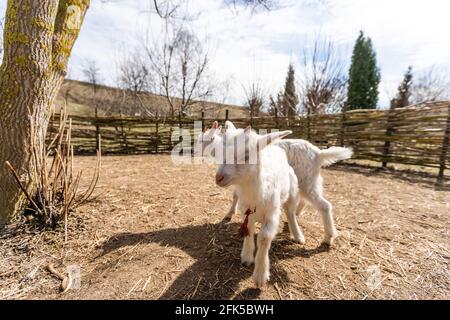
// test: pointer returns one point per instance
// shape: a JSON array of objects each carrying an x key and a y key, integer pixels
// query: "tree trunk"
[{"x": 38, "y": 39}]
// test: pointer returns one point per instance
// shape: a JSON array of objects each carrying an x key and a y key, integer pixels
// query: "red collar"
[{"x": 243, "y": 230}]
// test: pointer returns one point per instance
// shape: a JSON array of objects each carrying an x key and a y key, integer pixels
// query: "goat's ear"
[
  {"x": 229, "y": 125},
  {"x": 267, "y": 139}
]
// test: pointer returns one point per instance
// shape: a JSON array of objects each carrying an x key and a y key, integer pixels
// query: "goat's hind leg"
[
  {"x": 315, "y": 196},
  {"x": 301, "y": 207}
]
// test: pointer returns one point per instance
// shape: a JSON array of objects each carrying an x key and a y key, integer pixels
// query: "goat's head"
[
  {"x": 229, "y": 126},
  {"x": 206, "y": 139},
  {"x": 239, "y": 154}
]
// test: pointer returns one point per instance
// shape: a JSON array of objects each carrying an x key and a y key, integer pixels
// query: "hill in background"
[{"x": 114, "y": 101}]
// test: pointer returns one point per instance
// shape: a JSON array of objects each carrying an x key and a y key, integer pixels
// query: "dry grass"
[
  {"x": 156, "y": 233},
  {"x": 110, "y": 101},
  {"x": 54, "y": 192}
]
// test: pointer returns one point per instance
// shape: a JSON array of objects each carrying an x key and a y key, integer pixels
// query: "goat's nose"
[{"x": 219, "y": 177}]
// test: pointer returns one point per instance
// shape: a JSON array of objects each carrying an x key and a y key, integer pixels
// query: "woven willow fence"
[{"x": 413, "y": 136}]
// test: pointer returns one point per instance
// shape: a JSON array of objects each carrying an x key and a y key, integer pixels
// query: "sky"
[{"x": 247, "y": 46}]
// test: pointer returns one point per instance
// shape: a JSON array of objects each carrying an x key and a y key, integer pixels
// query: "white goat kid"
[
  {"x": 208, "y": 141},
  {"x": 263, "y": 186},
  {"x": 206, "y": 144},
  {"x": 306, "y": 160}
]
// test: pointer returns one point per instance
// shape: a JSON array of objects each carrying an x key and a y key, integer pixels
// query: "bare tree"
[
  {"x": 431, "y": 84},
  {"x": 181, "y": 65},
  {"x": 219, "y": 89},
  {"x": 255, "y": 4},
  {"x": 276, "y": 105},
  {"x": 255, "y": 96},
  {"x": 91, "y": 71},
  {"x": 323, "y": 82},
  {"x": 170, "y": 9},
  {"x": 135, "y": 78},
  {"x": 166, "y": 9},
  {"x": 134, "y": 75}
]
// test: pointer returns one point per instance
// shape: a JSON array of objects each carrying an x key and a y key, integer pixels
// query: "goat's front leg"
[
  {"x": 233, "y": 207},
  {"x": 261, "y": 274},
  {"x": 248, "y": 247}
]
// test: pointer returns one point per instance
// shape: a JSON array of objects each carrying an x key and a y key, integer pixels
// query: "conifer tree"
[
  {"x": 404, "y": 91},
  {"x": 364, "y": 76},
  {"x": 290, "y": 98}
]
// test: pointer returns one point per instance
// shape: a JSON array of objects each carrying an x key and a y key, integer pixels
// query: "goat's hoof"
[
  {"x": 329, "y": 239},
  {"x": 247, "y": 261},
  {"x": 328, "y": 242},
  {"x": 226, "y": 219},
  {"x": 260, "y": 279},
  {"x": 300, "y": 240}
]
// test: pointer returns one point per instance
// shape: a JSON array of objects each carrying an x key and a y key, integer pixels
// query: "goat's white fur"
[
  {"x": 263, "y": 187},
  {"x": 306, "y": 160}
]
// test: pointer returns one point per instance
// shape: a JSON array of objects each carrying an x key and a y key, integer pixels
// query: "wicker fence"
[{"x": 414, "y": 135}]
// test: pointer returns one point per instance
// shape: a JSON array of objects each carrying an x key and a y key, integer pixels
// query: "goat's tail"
[{"x": 334, "y": 154}]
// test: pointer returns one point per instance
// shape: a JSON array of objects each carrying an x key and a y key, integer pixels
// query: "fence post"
[
  {"x": 389, "y": 133},
  {"x": 157, "y": 135},
  {"x": 445, "y": 147},
  {"x": 180, "y": 125},
  {"x": 203, "y": 121},
  {"x": 308, "y": 126},
  {"x": 124, "y": 137},
  {"x": 276, "y": 118},
  {"x": 97, "y": 131},
  {"x": 227, "y": 114},
  {"x": 343, "y": 120}
]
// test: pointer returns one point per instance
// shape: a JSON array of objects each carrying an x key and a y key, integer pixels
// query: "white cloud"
[{"x": 245, "y": 46}]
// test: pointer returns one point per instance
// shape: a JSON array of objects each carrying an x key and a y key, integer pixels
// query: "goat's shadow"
[{"x": 217, "y": 271}]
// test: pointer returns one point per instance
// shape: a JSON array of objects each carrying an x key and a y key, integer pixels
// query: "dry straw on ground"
[{"x": 156, "y": 233}]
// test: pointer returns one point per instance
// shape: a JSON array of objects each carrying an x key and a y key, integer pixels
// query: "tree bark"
[{"x": 38, "y": 40}]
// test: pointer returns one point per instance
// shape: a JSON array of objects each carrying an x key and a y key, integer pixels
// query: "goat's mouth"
[{"x": 223, "y": 182}]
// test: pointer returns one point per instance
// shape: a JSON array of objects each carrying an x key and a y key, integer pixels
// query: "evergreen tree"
[
  {"x": 290, "y": 98},
  {"x": 364, "y": 76},
  {"x": 404, "y": 91},
  {"x": 276, "y": 105}
]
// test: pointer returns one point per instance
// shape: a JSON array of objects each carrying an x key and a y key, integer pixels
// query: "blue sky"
[{"x": 245, "y": 47}]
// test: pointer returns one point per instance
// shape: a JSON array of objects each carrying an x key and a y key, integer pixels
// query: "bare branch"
[
  {"x": 255, "y": 97},
  {"x": 431, "y": 84},
  {"x": 92, "y": 73},
  {"x": 181, "y": 66},
  {"x": 135, "y": 78},
  {"x": 165, "y": 9},
  {"x": 254, "y": 4},
  {"x": 323, "y": 82}
]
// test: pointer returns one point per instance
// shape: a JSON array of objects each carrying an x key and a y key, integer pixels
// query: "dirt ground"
[{"x": 156, "y": 233}]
